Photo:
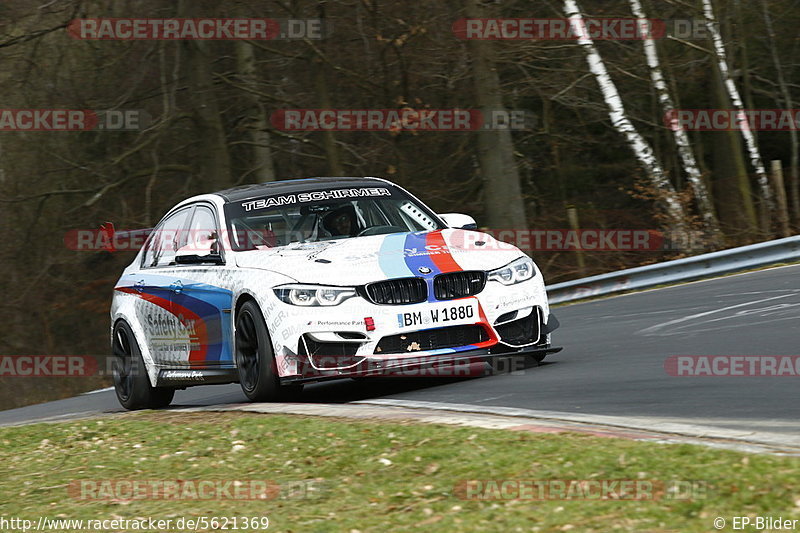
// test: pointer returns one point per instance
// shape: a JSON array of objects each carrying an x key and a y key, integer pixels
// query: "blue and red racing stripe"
[{"x": 200, "y": 312}]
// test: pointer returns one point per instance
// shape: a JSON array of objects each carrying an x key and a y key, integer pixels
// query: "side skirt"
[{"x": 182, "y": 378}]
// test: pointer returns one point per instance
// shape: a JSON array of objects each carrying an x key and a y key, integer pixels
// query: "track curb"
[{"x": 528, "y": 421}]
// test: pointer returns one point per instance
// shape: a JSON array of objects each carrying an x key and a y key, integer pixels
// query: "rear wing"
[{"x": 106, "y": 239}]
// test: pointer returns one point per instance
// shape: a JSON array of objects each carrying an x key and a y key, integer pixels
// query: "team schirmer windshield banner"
[{"x": 314, "y": 196}]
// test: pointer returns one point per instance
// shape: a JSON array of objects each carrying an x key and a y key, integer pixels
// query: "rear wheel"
[
  {"x": 131, "y": 381},
  {"x": 255, "y": 359}
]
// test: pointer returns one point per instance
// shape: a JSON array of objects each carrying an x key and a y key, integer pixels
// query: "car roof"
[{"x": 254, "y": 190}]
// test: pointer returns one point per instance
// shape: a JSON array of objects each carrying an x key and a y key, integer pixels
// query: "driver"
[{"x": 341, "y": 222}]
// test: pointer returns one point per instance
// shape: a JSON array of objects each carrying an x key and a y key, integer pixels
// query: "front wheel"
[
  {"x": 131, "y": 382},
  {"x": 255, "y": 359}
]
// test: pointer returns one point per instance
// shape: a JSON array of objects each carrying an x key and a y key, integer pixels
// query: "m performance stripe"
[
  {"x": 441, "y": 255},
  {"x": 390, "y": 257},
  {"x": 418, "y": 257}
]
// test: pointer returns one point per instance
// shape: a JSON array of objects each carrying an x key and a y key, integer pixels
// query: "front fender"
[{"x": 126, "y": 307}]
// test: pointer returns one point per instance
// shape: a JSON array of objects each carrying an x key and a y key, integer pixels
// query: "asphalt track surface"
[{"x": 612, "y": 363}]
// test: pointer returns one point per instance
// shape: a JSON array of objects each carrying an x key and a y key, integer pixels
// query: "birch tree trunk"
[
  {"x": 685, "y": 151},
  {"x": 620, "y": 122},
  {"x": 505, "y": 206},
  {"x": 736, "y": 100},
  {"x": 734, "y": 196},
  {"x": 256, "y": 121}
]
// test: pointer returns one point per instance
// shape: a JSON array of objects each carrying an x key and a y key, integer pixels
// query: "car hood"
[{"x": 361, "y": 260}]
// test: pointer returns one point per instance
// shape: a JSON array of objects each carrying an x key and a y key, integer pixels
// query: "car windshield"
[{"x": 324, "y": 215}]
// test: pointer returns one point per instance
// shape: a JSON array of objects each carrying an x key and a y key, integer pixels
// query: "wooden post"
[{"x": 780, "y": 196}]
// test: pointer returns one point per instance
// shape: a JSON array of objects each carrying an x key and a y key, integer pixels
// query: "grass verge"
[{"x": 341, "y": 475}]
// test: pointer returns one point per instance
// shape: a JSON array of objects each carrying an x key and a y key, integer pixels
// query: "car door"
[
  {"x": 155, "y": 282},
  {"x": 197, "y": 299}
]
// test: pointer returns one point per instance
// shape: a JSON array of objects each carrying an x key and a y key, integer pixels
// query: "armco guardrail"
[{"x": 689, "y": 268}]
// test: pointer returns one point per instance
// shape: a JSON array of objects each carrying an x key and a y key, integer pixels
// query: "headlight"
[
  {"x": 517, "y": 271},
  {"x": 313, "y": 295}
]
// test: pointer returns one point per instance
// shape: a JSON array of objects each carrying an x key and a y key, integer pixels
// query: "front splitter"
[{"x": 457, "y": 365}]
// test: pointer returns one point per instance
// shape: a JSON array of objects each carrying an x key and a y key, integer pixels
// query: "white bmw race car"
[{"x": 291, "y": 282}]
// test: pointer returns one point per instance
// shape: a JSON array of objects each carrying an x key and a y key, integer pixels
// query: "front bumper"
[
  {"x": 330, "y": 342},
  {"x": 456, "y": 365}
]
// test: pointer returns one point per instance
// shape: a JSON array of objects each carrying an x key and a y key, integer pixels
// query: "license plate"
[{"x": 436, "y": 316}]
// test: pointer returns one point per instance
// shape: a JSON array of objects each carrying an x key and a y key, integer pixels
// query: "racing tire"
[
  {"x": 255, "y": 359},
  {"x": 131, "y": 381}
]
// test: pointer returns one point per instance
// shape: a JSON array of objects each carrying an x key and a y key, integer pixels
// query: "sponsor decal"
[
  {"x": 186, "y": 325},
  {"x": 163, "y": 325},
  {"x": 520, "y": 301},
  {"x": 183, "y": 375},
  {"x": 290, "y": 199},
  {"x": 336, "y": 323},
  {"x": 424, "y": 253}
]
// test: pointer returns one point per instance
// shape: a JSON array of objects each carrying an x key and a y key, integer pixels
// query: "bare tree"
[
  {"x": 256, "y": 120},
  {"x": 736, "y": 100},
  {"x": 620, "y": 122},
  {"x": 690, "y": 166},
  {"x": 505, "y": 207},
  {"x": 794, "y": 170}
]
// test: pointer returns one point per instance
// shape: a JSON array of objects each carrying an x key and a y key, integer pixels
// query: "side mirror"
[
  {"x": 203, "y": 251},
  {"x": 459, "y": 221},
  {"x": 189, "y": 258}
]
